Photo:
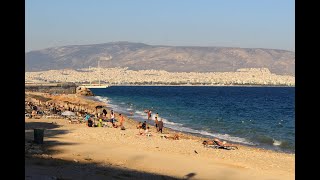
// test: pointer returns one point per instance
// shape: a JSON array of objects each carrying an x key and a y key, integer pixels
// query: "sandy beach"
[{"x": 75, "y": 151}]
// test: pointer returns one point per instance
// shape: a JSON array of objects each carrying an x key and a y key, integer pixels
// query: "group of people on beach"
[
  {"x": 89, "y": 117},
  {"x": 144, "y": 128},
  {"x": 103, "y": 117},
  {"x": 158, "y": 124}
]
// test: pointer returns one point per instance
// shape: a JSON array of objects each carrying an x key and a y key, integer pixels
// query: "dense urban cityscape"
[{"x": 123, "y": 76}]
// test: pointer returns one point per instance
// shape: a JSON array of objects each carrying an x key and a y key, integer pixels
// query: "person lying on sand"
[
  {"x": 208, "y": 143},
  {"x": 174, "y": 137},
  {"x": 223, "y": 143},
  {"x": 216, "y": 141}
]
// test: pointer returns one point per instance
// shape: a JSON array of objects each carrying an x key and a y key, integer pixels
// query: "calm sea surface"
[{"x": 255, "y": 116}]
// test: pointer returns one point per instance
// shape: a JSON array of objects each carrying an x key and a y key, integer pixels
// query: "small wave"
[
  {"x": 227, "y": 137},
  {"x": 113, "y": 106},
  {"x": 140, "y": 113},
  {"x": 165, "y": 121},
  {"x": 276, "y": 142},
  {"x": 101, "y": 99}
]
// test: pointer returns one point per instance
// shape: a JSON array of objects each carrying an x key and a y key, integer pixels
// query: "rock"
[{"x": 84, "y": 91}]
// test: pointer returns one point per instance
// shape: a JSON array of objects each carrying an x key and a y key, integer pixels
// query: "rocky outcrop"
[{"x": 84, "y": 91}]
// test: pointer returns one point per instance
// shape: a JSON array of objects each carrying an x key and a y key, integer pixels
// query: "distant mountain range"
[{"x": 139, "y": 56}]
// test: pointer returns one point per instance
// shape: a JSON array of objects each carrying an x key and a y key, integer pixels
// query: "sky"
[{"x": 227, "y": 23}]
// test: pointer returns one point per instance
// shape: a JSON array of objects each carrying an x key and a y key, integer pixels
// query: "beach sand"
[{"x": 75, "y": 151}]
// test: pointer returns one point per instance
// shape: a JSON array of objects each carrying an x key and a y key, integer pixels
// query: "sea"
[{"x": 262, "y": 117}]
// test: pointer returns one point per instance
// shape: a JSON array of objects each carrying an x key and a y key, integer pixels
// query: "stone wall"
[{"x": 58, "y": 88}]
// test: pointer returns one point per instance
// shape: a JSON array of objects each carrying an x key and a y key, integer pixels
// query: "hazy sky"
[{"x": 229, "y": 23}]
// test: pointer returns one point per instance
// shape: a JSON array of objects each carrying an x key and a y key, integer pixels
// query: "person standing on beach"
[
  {"x": 112, "y": 117},
  {"x": 144, "y": 125},
  {"x": 121, "y": 121},
  {"x": 160, "y": 125},
  {"x": 156, "y": 122},
  {"x": 105, "y": 113},
  {"x": 149, "y": 115}
]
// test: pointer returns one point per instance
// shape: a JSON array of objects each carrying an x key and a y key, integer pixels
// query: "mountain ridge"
[{"x": 141, "y": 56}]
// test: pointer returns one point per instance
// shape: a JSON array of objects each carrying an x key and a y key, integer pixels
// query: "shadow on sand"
[{"x": 40, "y": 165}]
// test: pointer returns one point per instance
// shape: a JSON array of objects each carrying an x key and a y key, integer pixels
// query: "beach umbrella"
[
  {"x": 68, "y": 113},
  {"x": 40, "y": 98},
  {"x": 98, "y": 107}
]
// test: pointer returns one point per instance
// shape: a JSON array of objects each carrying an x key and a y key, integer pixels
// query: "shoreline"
[
  {"x": 175, "y": 158},
  {"x": 197, "y": 135}
]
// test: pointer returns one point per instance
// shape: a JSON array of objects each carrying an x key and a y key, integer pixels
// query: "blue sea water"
[{"x": 255, "y": 116}]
